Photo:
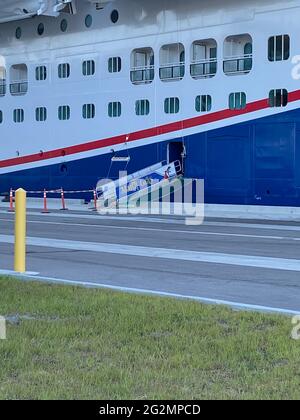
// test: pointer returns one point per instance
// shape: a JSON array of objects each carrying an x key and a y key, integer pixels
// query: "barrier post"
[
  {"x": 45, "y": 209},
  {"x": 11, "y": 201},
  {"x": 20, "y": 231},
  {"x": 95, "y": 201},
  {"x": 63, "y": 201}
]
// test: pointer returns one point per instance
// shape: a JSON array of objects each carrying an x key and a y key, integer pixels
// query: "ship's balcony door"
[{"x": 176, "y": 151}]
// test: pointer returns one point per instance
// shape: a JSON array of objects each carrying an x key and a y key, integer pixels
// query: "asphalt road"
[{"x": 248, "y": 263}]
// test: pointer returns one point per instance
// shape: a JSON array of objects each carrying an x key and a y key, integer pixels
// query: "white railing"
[
  {"x": 19, "y": 87},
  {"x": 2, "y": 88},
  {"x": 172, "y": 71},
  {"x": 142, "y": 74},
  {"x": 238, "y": 64},
  {"x": 204, "y": 67}
]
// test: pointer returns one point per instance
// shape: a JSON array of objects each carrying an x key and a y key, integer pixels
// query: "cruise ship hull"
[
  {"x": 89, "y": 91},
  {"x": 254, "y": 162}
]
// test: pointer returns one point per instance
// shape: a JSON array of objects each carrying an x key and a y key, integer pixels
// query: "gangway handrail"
[
  {"x": 140, "y": 173},
  {"x": 139, "y": 181}
]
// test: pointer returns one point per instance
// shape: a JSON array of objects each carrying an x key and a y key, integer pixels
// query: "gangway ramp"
[{"x": 135, "y": 187}]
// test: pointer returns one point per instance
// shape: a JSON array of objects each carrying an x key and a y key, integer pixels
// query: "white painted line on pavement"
[
  {"x": 171, "y": 220},
  {"x": 164, "y": 253},
  {"x": 195, "y": 232}
]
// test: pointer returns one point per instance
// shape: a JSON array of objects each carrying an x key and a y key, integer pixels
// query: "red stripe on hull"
[{"x": 143, "y": 134}]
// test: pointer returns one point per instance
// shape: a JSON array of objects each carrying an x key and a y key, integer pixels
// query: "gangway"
[{"x": 133, "y": 187}]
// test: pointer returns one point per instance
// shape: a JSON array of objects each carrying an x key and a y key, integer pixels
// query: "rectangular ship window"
[
  {"x": 41, "y": 114},
  {"x": 279, "y": 48},
  {"x": 278, "y": 98},
  {"x": 171, "y": 105},
  {"x": 64, "y": 112},
  {"x": 88, "y": 111},
  {"x": 88, "y": 68},
  {"x": 114, "y": 109},
  {"x": 237, "y": 100},
  {"x": 142, "y": 107},
  {"x": 203, "y": 103},
  {"x": 41, "y": 73},
  {"x": 2, "y": 81},
  {"x": 64, "y": 70},
  {"x": 114, "y": 64},
  {"x": 18, "y": 115}
]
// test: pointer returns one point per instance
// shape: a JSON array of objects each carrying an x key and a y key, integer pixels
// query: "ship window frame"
[
  {"x": 88, "y": 68},
  {"x": 204, "y": 65},
  {"x": 172, "y": 62},
  {"x": 88, "y": 21},
  {"x": 237, "y": 101},
  {"x": 41, "y": 114},
  {"x": 18, "y": 33},
  {"x": 88, "y": 111},
  {"x": 278, "y": 98},
  {"x": 64, "y": 112},
  {"x": 274, "y": 43},
  {"x": 142, "y": 107},
  {"x": 172, "y": 105},
  {"x": 64, "y": 25},
  {"x": 18, "y": 115},
  {"x": 114, "y": 64},
  {"x": 115, "y": 109},
  {"x": 40, "y": 29},
  {"x": 142, "y": 66},
  {"x": 114, "y": 16},
  {"x": 238, "y": 55},
  {"x": 41, "y": 73},
  {"x": 3, "y": 81},
  {"x": 64, "y": 70},
  {"x": 203, "y": 103},
  {"x": 18, "y": 75}
]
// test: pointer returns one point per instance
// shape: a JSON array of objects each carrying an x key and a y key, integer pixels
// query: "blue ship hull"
[{"x": 256, "y": 162}]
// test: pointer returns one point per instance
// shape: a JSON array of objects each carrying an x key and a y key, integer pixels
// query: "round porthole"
[
  {"x": 64, "y": 25},
  {"x": 41, "y": 29},
  {"x": 18, "y": 32},
  {"x": 114, "y": 16},
  {"x": 88, "y": 21}
]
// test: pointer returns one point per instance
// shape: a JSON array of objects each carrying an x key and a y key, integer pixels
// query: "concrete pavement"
[{"x": 251, "y": 263}]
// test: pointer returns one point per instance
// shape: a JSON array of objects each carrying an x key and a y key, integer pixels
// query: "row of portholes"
[{"x": 114, "y": 16}]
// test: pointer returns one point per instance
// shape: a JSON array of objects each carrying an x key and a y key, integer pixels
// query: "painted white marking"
[
  {"x": 254, "y": 226},
  {"x": 171, "y": 220},
  {"x": 236, "y": 305},
  {"x": 239, "y": 235},
  {"x": 96, "y": 216},
  {"x": 172, "y": 254}
]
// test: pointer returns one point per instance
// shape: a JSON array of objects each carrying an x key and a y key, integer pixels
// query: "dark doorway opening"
[{"x": 176, "y": 151}]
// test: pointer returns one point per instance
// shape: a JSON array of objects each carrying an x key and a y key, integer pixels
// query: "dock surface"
[{"x": 244, "y": 262}]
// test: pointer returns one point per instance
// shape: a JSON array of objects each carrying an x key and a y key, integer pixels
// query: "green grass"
[{"x": 76, "y": 343}]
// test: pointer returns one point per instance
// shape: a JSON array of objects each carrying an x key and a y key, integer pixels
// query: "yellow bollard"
[{"x": 20, "y": 231}]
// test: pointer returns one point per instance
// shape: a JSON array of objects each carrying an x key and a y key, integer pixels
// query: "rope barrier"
[
  {"x": 45, "y": 195},
  {"x": 57, "y": 191}
]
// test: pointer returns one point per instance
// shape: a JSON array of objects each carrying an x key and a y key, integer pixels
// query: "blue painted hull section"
[{"x": 256, "y": 162}]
